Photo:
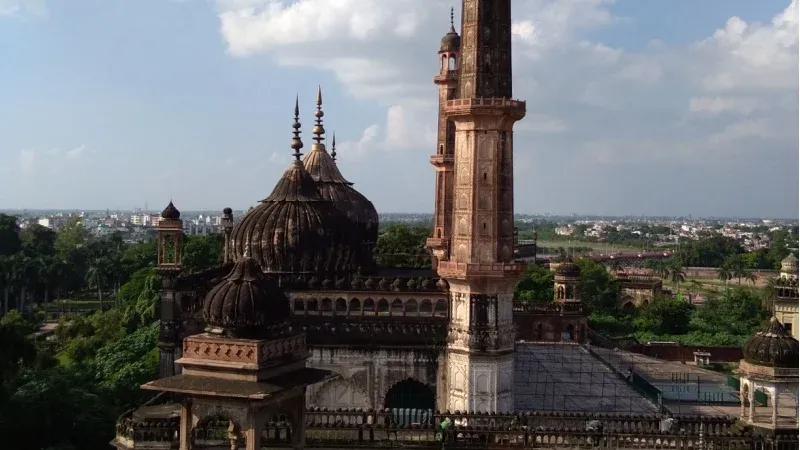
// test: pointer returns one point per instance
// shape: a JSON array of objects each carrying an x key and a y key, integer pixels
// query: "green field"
[{"x": 596, "y": 246}]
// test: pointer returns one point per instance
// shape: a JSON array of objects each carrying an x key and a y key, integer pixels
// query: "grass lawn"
[{"x": 596, "y": 246}]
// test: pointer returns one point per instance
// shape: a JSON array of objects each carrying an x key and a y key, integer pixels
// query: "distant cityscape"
[{"x": 138, "y": 225}]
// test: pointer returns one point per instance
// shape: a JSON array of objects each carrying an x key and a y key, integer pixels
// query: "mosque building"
[{"x": 300, "y": 339}]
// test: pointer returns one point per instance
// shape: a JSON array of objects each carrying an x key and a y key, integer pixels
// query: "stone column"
[
  {"x": 299, "y": 422},
  {"x": 752, "y": 409},
  {"x": 742, "y": 400},
  {"x": 185, "y": 433},
  {"x": 775, "y": 407}
]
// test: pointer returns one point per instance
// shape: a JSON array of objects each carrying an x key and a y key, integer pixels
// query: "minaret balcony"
[
  {"x": 459, "y": 270},
  {"x": 443, "y": 161},
  {"x": 451, "y": 76},
  {"x": 485, "y": 107}
]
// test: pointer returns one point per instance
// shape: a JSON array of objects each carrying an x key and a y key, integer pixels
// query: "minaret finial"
[
  {"x": 318, "y": 129},
  {"x": 297, "y": 143},
  {"x": 452, "y": 18},
  {"x": 333, "y": 147}
]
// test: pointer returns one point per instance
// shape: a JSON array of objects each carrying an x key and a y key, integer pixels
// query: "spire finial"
[
  {"x": 452, "y": 19},
  {"x": 297, "y": 143},
  {"x": 333, "y": 147},
  {"x": 318, "y": 129}
]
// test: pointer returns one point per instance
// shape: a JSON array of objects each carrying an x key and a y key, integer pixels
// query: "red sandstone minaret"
[
  {"x": 478, "y": 365},
  {"x": 447, "y": 80}
]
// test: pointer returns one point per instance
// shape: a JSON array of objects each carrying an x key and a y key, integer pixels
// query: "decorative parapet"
[
  {"x": 205, "y": 347},
  {"x": 485, "y": 106},
  {"x": 765, "y": 371},
  {"x": 575, "y": 308},
  {"x": 457, "y": 270},
  {"x": 149, "y": 433}
]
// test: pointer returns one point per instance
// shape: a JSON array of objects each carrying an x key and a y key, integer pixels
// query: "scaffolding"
[{"x": 566, "y": 377}]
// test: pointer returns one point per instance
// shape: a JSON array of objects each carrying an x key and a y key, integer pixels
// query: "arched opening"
[
  {"x": 397, "y": 307},
  {"x": 383, "y": 306},
  {"x": 628, "y": 307},
  {"x": 410, "y": 394},
  {"x": 444, "y": 62},
  {"x": 440, "y": 309},
  {"x": 355, "y": 306},
  {"x": 451, "y": 65},
  {"x": 299, "y": 306},
  {"x": 341, "y": 306},
  {"x": 327, "y": 306},
  {"x": 369, "y": 305},
  {"x": 560, "y": 293},
  {"x": 411, "y": 308},
  {"x": 312, "y": 305},
  {"x": 539, "y": 332},
  {"x": 426, "y": 307}
]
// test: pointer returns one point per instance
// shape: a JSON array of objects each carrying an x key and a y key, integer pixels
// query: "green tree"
[
  {"x": 202, "y": 252},
  {"x": 599, "y": 291},
  {"x": 9, "y": 235},
  {"x": 537, "y": 286},
  {"x": 664, "y": 315},
  {"x": 401, "y": 245},
  {"x": 38, "y": 241}
]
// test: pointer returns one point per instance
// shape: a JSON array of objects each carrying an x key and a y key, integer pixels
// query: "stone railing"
[
  {"x": 548, "y": 308},
  {"x": 355, "y": 428}
]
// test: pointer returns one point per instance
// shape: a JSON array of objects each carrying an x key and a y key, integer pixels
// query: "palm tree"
[
  {"x": 769, "y": 293},
  {"x": 750, "y": 276},
  {"x": 96, "y": 278},
  {"x": 724, "y": 274},
  {"x": 676, "y": 273}
]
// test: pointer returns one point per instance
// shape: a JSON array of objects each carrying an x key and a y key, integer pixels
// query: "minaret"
[
  {"x": 481, "y": 273},
  {"x": 169, "y": 239},
  {"x": 442, "y": 161}
]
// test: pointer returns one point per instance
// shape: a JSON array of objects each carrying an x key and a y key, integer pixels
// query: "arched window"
[
  {"x": 327, "y": 306},
  {"x": 369, "y": 306},
  {"x": 411, "y": 308},
  {"x": 299, "y": 306},
  {"x": 341, "y": 306},
  {"x": 312, "y": 305},
  {"x": 451, "y": 63},
  {"x": 355, "y": 306},
  {"x": 440, "y": 310},
  {"x": 426, "y": 307},
  {"x": 383, "y": 306},
  {"x": 444, "y": 62},
  {"x": 397, "y": 307}
]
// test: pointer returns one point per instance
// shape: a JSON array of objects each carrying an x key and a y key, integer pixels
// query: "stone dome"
[
  {"x": 773, "y": 346},
  {"x": 789, "y": 264},
  {"x": 568, "y": 268},
  {"x": 171, "y": 212},
  {"x": 451, "y": 42},
  {"x": 334, "y": 188},
  {"x": 295, "y": 230},
  {"x": 245, "y": 302}
]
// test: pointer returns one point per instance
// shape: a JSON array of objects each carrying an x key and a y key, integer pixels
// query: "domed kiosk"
[{"x": 770, "y": 368}]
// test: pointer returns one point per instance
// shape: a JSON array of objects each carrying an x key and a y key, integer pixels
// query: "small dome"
[
  {"x": 773, "y": 346},
  {"x": 170, "y": 212},
  {"x": 789, "y": 264},
  {"x": 568, "y": 268},
  {"x": 227, "y": 211},
  {"x": 245, "y": 302},
  {"x": 451, "y": 42}
]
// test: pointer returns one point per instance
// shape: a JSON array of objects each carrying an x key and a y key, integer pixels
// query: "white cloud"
[
  {"x": 586, "y": 99},
  {"x": 34, "y": 162},
  {"x": 22, "y": 8}
]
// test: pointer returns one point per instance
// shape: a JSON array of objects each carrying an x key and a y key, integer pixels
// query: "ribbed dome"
[
  {"x": 170, "y": 212},
  {"x": 568, "y": 268},
  {"x": 451, "y": 42},
  {"x": 295, "y": 230},
  {"x": 773, "y": 346},
  {"x": 335, "y": 188},
  {"x": 245, "y": 302},
  {"x": 789, "y": 264}
]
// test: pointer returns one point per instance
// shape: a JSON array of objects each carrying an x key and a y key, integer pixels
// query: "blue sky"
[{"x": 634, "y": 107}]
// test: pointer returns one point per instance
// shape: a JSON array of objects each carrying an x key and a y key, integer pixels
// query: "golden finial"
[
  {"x": 318, "y": 129},
  {"x": 333, "y": 147},
  {"x": 297, "y": 143}
]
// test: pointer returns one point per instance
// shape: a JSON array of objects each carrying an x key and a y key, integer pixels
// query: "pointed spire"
[
  {"x": 318, "y": 129},
  {"x": 333, "y": 147},
  {"x": 297, "y": 143},
  {"x": 452, "y": 19}
]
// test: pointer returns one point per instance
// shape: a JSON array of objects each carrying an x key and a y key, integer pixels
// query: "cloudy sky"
[{"x": 657, "y": 107}]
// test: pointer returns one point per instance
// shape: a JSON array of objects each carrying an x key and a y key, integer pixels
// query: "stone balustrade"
[{"x": 548, "y": 308}]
